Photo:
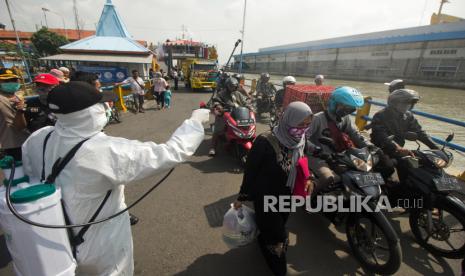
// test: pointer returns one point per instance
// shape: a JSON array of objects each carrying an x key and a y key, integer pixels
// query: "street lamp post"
[
  {"x": 45, "y": 16},
  {"x": 243, "y": 29},
  {"x": 62, "y": 20}
]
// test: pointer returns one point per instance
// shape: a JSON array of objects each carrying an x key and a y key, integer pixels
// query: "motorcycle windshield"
[{"x": 242, "y": 116}]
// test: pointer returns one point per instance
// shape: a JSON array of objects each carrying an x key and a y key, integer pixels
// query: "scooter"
[
  {"x": 372, "y": 238},
  {"x": 438, "y": 223},
  {"x": 240, "y": 131}
]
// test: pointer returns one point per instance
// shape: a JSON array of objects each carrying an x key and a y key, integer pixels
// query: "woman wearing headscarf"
[{"x": 271, "y": 170}]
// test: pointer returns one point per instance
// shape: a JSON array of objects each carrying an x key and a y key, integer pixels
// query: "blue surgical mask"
[{"x": 9, "y": 87}]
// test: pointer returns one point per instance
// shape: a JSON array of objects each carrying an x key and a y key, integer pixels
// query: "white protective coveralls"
[{"x": 103, "y": 163}]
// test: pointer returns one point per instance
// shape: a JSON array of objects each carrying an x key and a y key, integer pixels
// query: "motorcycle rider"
[
  {"x": 227, "y": 98},
  {"x": 319, "y": 80},
  {"x": 397, "y": 119},
  {"x": 265, "y": 90},
  {"x": 335, "y": 123},
  {"x": 394, "y": 85},
  {"x": 279, "y": 98},
  {"x": 240, "y": 78}
]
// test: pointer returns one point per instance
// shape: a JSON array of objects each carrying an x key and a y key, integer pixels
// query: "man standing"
[
  {"x": 37, "y": 113},
  {"x": 13, "y": 131},
  {"x": 137, "y": 88},
  {"x": 100, "y": 169},
  {"x": 159, "y": 87},
  {"x": 175, "y": 78}
]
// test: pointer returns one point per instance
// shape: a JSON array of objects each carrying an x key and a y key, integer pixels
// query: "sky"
[{"x": 218, "y": 22}]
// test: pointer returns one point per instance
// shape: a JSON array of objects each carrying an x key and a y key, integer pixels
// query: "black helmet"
[
  {"x": 403, "y": 99},
  {"x": 232, "y": 84},
  {"x": 265, "y": 76}
]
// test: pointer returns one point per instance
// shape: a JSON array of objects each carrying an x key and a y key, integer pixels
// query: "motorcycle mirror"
[
  {"x": 450, "y": 137},
  {"x": 411, "y": 136}
]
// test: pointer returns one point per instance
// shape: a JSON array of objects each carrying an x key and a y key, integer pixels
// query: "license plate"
[
  {"x": 367, "y": 179},
  {"x": 446, "y": 183},
  {"x": 245, "y": 122}
]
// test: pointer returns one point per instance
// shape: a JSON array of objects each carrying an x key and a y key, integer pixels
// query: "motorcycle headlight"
[
  {"x": 238, "y": 133},
  {"x": 362, "y": 165},
  {"x": 438, "y": 162}
]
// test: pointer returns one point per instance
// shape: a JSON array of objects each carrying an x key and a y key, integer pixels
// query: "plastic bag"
[{"x": 239, "y": 226}]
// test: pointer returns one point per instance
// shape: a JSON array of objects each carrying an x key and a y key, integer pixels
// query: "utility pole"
[
  {"x": 243, "y": 29},
  {"x": 18, "y": 42},
  {"x": 76, "y": 18}
]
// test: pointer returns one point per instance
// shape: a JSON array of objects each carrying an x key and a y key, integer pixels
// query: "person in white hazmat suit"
[{"x": 102, "y": 163}]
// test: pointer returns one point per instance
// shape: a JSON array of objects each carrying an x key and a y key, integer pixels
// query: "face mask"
[
  {"x": 403, "y": 108},
  {"x": 9, "y": 87},
  {"x": 42, "y": 90},
  {"x": 342, "y": 112},
  {"x": 297, "y": 132}
]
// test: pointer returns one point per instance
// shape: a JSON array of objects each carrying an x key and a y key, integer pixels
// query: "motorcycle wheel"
[
  {"x": 448, "y": 232},
  {"x": 115, "y": 114},
  {"x": 374, "y": 242}
]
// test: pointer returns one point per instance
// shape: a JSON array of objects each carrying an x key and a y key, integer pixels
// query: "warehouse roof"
[{"x": 444, "y": 31}]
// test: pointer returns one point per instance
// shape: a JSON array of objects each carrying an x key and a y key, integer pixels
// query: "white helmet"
[
  {"x": 289, "y": 80},
  {"x": 321, "y": 77}
]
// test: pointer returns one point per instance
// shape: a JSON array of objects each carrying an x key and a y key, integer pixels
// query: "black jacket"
[
  {"x": 263, "y": 175},
  {"x": 38, "y": 115},
  {"x": 387, "y": 122}
]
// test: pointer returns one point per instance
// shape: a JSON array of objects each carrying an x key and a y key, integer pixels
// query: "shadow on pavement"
[
  {"x": 5, "y": 257},
  {"x": 417, "y": 257},
  {"x": 234, "y": 262},
  {"x": 216, "y": 210},
  {"x": 222, "y": 162}
]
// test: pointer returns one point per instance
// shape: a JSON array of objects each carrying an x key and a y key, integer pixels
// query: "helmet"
[
  {"x": 289, "y": 80},
  {"x": 319, "y": 77},
  {"x": 347, "y": 96},
  {"x": 238, "y": 76},
  {"x": 403, "y": 96},
  {"x": 395, "y": 84},
  {"x": 231, "y": 84},
  {"x": 265, "y": 76}
]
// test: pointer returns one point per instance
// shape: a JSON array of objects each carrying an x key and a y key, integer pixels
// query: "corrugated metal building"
[{"x": 428, "y": 55}]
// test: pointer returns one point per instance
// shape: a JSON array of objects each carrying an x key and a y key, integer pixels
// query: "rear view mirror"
[
  {"x": 450, "y": 137},
  {"x": 411, "y": 136}
]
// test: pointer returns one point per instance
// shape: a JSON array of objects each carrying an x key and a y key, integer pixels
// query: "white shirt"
[{"x": 136, "y": 88}]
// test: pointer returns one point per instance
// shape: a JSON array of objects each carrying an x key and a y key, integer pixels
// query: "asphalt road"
[{"x": 179, "y": 232}]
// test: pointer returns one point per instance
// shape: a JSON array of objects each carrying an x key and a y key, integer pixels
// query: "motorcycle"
[
  {"x": 265, "y": 104},
  {"x": 240, "y": 131},
  {"x": 439, "y": 223},
  {"x": 371, "y": 237}
]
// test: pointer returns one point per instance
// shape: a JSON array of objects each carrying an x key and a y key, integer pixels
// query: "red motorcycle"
[{"x": 240, "y": 131}]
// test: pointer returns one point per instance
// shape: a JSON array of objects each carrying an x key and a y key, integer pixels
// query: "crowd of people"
[{"x": 68, "y": 109}]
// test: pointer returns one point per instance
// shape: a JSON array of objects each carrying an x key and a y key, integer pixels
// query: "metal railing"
[{"x": 362, "y": 117}]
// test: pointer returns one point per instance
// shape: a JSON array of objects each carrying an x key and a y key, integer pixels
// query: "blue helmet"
[{"x": 347, "y": 96}]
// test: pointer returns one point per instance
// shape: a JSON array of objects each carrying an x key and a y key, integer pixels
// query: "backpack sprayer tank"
[{"x": 35, "y": 250}]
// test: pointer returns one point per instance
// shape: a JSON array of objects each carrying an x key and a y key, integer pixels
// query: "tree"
[{"x": 47, "y": 43}]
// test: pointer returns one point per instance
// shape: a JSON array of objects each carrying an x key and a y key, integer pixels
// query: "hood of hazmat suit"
[{"x": 101, "y": 164}]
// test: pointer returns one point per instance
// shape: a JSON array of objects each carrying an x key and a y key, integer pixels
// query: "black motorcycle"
[
  {"x": 371, "y": 237},
  {"x": 438, "y": 223}
]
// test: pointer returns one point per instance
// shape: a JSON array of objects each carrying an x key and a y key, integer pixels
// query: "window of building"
[{"x": 443, "y": 52}]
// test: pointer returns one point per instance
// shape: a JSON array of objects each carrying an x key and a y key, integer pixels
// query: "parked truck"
[{"x": 199, "y": 73}]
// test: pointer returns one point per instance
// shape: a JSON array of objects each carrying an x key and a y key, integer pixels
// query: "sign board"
[{"x": 106, "y": 74}]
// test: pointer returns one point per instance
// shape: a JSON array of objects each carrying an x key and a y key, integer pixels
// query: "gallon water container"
[{"x": 38, "y": 251}]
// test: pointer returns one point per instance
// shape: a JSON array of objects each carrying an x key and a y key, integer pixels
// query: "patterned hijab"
[{"x": 295, "y": 113}]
